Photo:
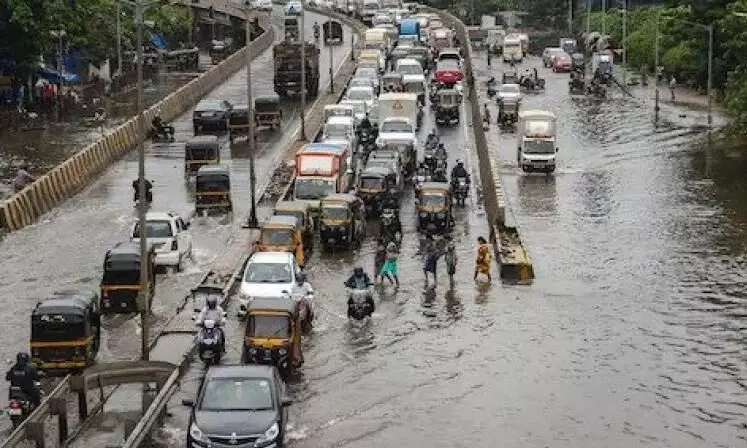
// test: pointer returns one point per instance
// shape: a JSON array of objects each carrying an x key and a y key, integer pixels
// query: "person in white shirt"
[{"x": 213, "y": 311}]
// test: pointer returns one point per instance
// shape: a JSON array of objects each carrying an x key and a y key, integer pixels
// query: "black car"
[
  {"x": 211, "y": 115},
  {"x": 240, "y": 406}
]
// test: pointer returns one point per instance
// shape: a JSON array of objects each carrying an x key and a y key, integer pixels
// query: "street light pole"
[
  {"x": 570, "y": 17},
  {"x": 143, "y": 203},
  {"x": 119, "y": 37},
  {"x": 331, "y": 62},
  {"x": 588, "y": 17},
  {"x": 604, "y": 17},
  {"x": 625, "y": 41},
  {"x": 710, "y": 75},
  {"x": 252, "y": 220},
  {"x": 304, "y": 84},
  {"x": 656, "y": 67}
]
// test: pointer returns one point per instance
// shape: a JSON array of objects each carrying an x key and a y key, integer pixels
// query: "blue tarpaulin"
[
  {"x": 53, "y": 76},
  {"x": 157, "y": 40}
]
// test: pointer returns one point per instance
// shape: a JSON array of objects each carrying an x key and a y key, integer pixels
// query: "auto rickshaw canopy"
[
  {"x": 377, "y": 172},
  {"x": 213, "y": 178},
  {"x": 448, "y": 98},
  {"x": 280, "y": 230},
  {"x": 238, "y": 116},
  {"x": 126, "y": 256},
  {"x": 300, "y": 209},
  {"x": 64, "y": 308},
  {"x": 202, "y": 148},
  {"x": 267, "y": 103},
  {"x": 347, "y": 198}
]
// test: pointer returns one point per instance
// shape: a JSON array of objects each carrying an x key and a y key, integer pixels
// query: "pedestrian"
[
  {"x": 379, "y": 259},
  {"x": 22, "y": 179},
  {"x": 483, "y": 260},
  {"x": 430, "y": 261},
  {"x": 672, "y": 86},
  {"x": 450, "y": 257},
  {"x": 390, "y": 268}
]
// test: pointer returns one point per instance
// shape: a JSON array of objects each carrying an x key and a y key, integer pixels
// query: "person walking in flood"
[
  {"x": 22, "y": 179},
  {"x": 483, "y": 260},
  {"x": 450, "y": 257},
  {"x": 672, "y": 86},
  {"x": 390, "y": 267},
  {"x": 430, "y": 261},
  {"x": 379, "y": 259}
]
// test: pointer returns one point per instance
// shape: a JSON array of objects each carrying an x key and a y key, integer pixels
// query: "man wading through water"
[{"x": 450, "y": 257}]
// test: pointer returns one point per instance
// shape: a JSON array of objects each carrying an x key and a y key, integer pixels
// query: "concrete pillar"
[
  {"x": 58, "y": 407},
  {"x": 129, "y": 426},
  {"x": 35, "y": 432}
]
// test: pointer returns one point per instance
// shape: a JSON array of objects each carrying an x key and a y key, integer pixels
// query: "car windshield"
[
  {"x": 334, "y": 212},
  {"x": 432, "y": 200},
  {"x": 313, "y": 188},
  {"x": 368, "y": 73},
  {"x": 336, "y": 129},
  {"x": 447, "y": 64},
  {"x": 277, "y": 236},
  {"x": 154, "y": 229},
  {"x": 372, "y": 183},
  {"x": 360, "y": 94},
  {"x": 269, "y": 326},
  {"x": 358, "y": 107},
  {"x": 268, "y": 273},
  {"x": 237, "y": 394},
  {"x": 553, "y": 51},
  {"x": 510, "y": 89},
  {"x": 410, "y": 69},
  {"x": 539, "y": 147},
  {"x": 360, "y": 82},
  {"x": 208, "y": 106},
  {"x": 396, "y": 126}
]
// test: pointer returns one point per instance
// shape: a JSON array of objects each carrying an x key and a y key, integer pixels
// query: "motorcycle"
[
  {"x": 439, "y": 175},
  {"x": 20, "y": 406},
  {"x": 164, "y": 134},
  {"x": 210, "y": 347},
  {"x": 390, "y": 227},
  {"x": 462, "y": 191},
  {"x": 367, "y": 141},
  {"x": 360, "y": 304},
  {"x": 429, "y": 159}
]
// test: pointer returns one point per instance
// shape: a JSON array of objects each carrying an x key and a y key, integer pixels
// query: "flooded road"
[
  {"x": 66, "y": 248},
  {"x": 632, "y": 335}
]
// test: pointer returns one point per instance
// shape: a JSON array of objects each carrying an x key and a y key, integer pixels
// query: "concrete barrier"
[
  {"x": 512, "y": 257},
  {"x": 68, "y": 178}
]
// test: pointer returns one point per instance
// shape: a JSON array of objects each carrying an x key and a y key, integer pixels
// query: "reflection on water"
[{"x": 538, "y": 194}]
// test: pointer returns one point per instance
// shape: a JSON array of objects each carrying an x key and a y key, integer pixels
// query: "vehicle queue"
[{"x": 358, "y": 170}]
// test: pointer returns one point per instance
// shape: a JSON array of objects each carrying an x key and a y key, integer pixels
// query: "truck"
[
  {"x": 399, "y": 120},
  {"x": 321, "y": 169},
  {"x": 537, "y": 141},
  {"x": 408, "y": 27},
  {"x": 287, "y": 57},
  {"x": 368, "y": 10},
  {"x": 512, "y": 49}
]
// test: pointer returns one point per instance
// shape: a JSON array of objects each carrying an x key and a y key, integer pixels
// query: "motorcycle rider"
[
  {"x": 22, "y": 179},
  {"x": 148, "y": 190},
  {"x": 213, "y": 311},
  {"x": 302, "y": 290},
  {"x": 24, "y": 375},
  {"x": 459, "y": 171},
  {"x": 360, "y": 280},
  {"x": 365, "y": 127},
  {"x": 316, "y": 30},
  {"x": 441, "y": 152}
]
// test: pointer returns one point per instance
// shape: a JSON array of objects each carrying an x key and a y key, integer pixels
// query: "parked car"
[
  {"x": 547, "y": 55},
  {"x": 267, "y": 275},
  {"x": 561, "y": 63},
  {"x": 168, "y": 232},
  {"x": 240, "y": 405},
  {"x": 211, "y": 115}
]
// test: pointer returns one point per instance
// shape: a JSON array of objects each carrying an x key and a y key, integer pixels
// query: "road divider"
[
  {"x": 25, "y": 207},
  {"x": 514, "y": 261}
]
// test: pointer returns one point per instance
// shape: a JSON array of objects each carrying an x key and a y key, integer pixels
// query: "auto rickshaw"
[
  {"x": 120, "y": 285},
  {"x": 342, "y": 221},
  {"x": 416, "y": 87},
  {"x": 273, "y": 334},
  {"x": 435, "y": 215},
  {"x": 510, "y": 78},
  {"x": 66, "y": 332},
  {"x": 302, "y": 211},
  {"x": 283, "y": 234},
  {"x": 213, "y": 189},
  {"x": 447, "y": 110},
  {"x": 267, "y": 111},
  {"x": 238, "y": 122},
  {"x": 577, "y": 62},
  {"x": 577, "y": 84},
  {"x": 200, "y": 151},
  {"x": 332, "y": 32},
  {"x": 508, "y": 112},
  {"x": 219, "y": 50},
  {"x": 391, "y": 82},
  {"x": 375, "y": 182}
]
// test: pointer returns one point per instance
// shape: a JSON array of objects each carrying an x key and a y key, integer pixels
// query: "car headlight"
[
  {"x": 270, "y": 435},
  {"x": 424, "y": 215},
  {"x": 196, "y": 433},
  {"x": 282, "y": 352}
]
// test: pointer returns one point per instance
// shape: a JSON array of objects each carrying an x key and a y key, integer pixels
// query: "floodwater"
[
  {"x": 632, "y": 335},
  {"x": 65, "y": 249}
]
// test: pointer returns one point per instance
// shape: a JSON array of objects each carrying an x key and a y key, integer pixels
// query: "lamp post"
[
  {"x": 303, "y": 75},
  {"x": 252, "y": 220},
  {"x": 625, "y": 41},
  {"x": 331, "y": 60},
  {"x": 588, "y": 17},
  {"x": 59, "y": 34},
  {"x": 119, "y": 37},
  {"x": 709, "y": 30},
  {"x": 604, "y": 17},
  {"x": 570, "y": 17}
]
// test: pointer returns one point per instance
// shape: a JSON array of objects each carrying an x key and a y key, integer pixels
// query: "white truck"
[
  {"x": 512, "y": 49},
  {"x": 537, "y": 141},
  {"x": 399, "y": 117}
]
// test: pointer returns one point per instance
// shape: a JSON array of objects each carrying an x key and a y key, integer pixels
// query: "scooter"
[
  {"x": 462, "y": 191},
  {"x": 20, "y": 406},
  {"x": 360, "y": 304},
  {"x": 210, "y": 342},
  {"x": 165, "y": 134}
]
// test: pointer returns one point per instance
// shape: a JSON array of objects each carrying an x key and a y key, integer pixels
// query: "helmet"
[
  {"x": 23, "y": 166},
  {"x": 22, "y": 358},
  {"x": 212, "y": 302},
  {"x": 358, "y": 272},
  {"x": 459, "y": 162},
  {"x": 301, "y": 278}
]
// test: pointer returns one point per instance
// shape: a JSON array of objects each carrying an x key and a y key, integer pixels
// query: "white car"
[
  {"x": 266, "y": 276},
  {"x": 168, "y": 233},
  {"x": 263, "y": 5},
  {"x": 293, "y": 9},
  {"x": 510, "y": 92}
]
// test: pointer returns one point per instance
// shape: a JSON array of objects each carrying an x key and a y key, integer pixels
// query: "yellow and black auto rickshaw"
[
  {"x": 120, "y": 286},
  {"x": 342, "y": 221},
  {"x": 238, "y": 122},
  {"x": 267, "y": 111},
  {"x": 213, "y": 189},
  {"x": 435, "y": 215},
  {"x": 200, "y": 151},
  {"x": 374, "y": 183},
  {"x": 283, "y": 234},
  {"x": 273, "y": 335},
  {"x": 65, "y": 332},
  {"x": 301, "y": 210}
]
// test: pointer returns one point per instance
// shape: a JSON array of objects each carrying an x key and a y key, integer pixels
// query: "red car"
[
  {"x": 448, "y": 71},
  {"x": 561, "y": 63}
]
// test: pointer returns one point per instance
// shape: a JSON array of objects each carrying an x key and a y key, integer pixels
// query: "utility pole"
[
  {"x": 143, "y": 203},
  {"x": 331, "y": 60},
  {"x": 710, "y": 75},
  {"x": 59, "y": 34},
  {"x": 604, "y": 17},
  {"x": 252, "y": 220},
  {"x": 570, "y": 17},
  {"x": 625, "y": 41},
  {"x": 656, "y": 67},
  {"x": 304, "y": 84},
  {"x": 588, "y": 17},
  {"x": 352, "y": 34},
  {"x": 119, "y": 37}
]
